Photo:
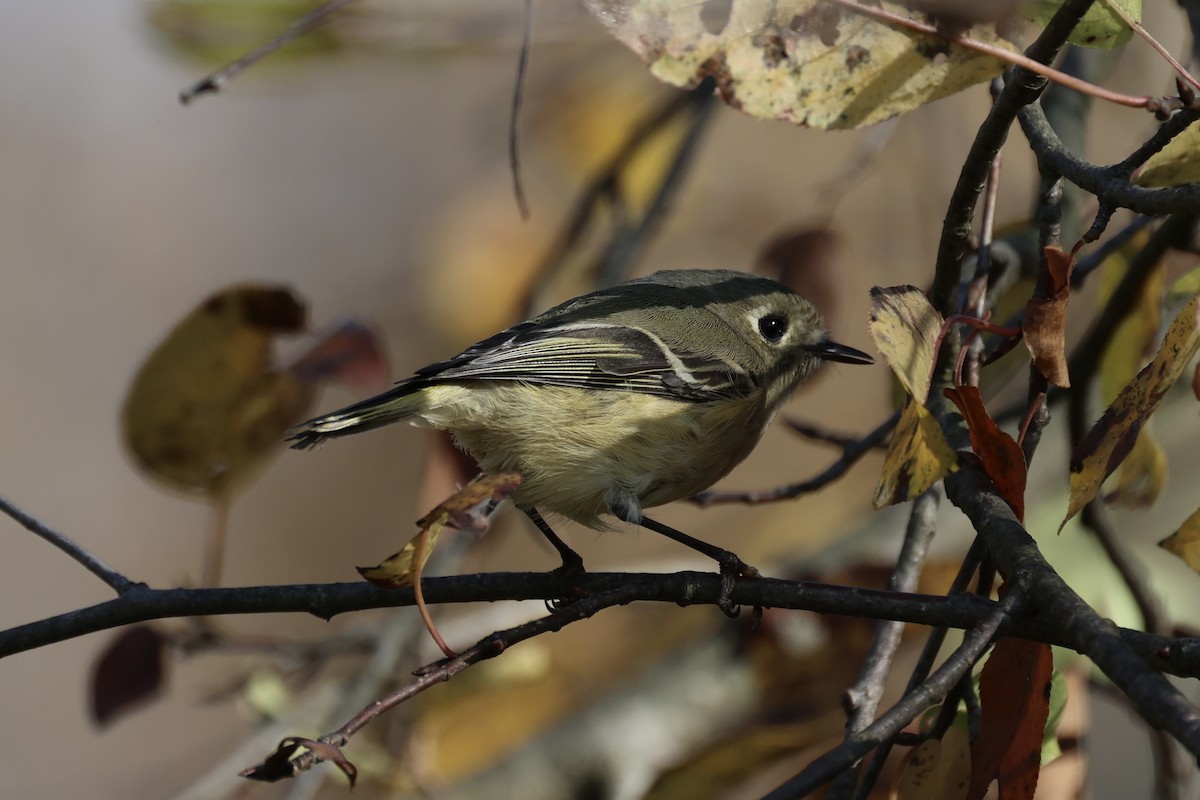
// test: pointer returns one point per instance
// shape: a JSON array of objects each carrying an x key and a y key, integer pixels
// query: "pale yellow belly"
[{"x": 580, "y": 452}]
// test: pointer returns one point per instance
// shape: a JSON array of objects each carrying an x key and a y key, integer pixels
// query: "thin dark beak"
[{"x": 832, "y": 351}]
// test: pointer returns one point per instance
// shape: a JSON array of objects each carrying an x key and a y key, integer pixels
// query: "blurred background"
[{"x": 366, "y": 168}]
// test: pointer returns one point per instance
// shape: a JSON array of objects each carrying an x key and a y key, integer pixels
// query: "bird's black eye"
[{"x": 773, "y": 327}]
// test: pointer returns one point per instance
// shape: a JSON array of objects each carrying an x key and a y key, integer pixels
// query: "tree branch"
[
  {"x": 1111, "y": 185},
  {"x": 930, "y": 692},
  {"x": 851, "y": 453},
  {"x": 118, "y": 582},
  {"x": 862, "y": 699},
  {"x": 1178, "y": 655},
  {"x": 1082, "y": 629},
  {"x": 1021, "y": 89}
]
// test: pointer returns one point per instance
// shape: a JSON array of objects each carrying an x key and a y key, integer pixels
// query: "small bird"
[{"x": 622, "y": 399}]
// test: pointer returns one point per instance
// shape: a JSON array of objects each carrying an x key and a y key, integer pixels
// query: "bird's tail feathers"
[{"x": 401, "y": 402}]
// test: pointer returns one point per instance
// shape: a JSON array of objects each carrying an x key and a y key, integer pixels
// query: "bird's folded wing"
[{"x": 593, "y": 356}]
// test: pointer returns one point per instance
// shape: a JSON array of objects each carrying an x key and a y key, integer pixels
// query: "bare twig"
[
  {"x": 1019, "y": 90},
  {"x": 214, "y": 546},
  {"x": 817, "y": 433},
  {"x": 613, "y": 266},
  {"x": 605, "y": 185},
  {"x": 914, "y": 702},
  {"x": 862, "y": 699},
  {"x": 216, "y": 81},
  {"x": 514, "y": 121},
  {"x": 977, "y": 295},
  {"x": 1018, "y": 558},
  {"x": 439, "y": 672},
  {"x": 1111, "y": 184},
  {"x": 921, "y": 670},
  {"x": 118, "y": 582},
  {"x": 850, "y": 455}
]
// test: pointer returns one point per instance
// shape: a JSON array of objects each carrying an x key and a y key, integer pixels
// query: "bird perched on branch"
[{"x": 618, "y": 400}]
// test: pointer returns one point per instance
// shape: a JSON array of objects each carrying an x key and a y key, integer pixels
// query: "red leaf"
[
  {"x": 1002, "y": 457},
  {"x": 1014, "y": 692},
  {"x": 129, "y": 673}
]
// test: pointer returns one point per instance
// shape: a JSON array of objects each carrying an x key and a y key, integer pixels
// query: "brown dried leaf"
[
  {"x": 1003, "y": 460},
  {"x": 467, "y": 509},
  {"x": 905, "y": 326},
  {"x": 805, "y": 61},
  {"x": 1114, "y": 434},
  {"x": 1014, "y": 691},
  {"x": 1045, "y": 323},
  {"x": 206, "y": 407},
  {"x": 278, "y": 765},
  {"x": 129, "y": 673},
  {"x": 937, "y": 770},
  {"x": 1185, "y": 542},
  {"x": 400, "y": 569},
  {"x": 917, "y": 457}
]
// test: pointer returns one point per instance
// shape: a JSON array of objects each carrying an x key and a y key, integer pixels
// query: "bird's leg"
[
  {"x": 732, "y": 567},
  {"x": 572, "y": 563}
]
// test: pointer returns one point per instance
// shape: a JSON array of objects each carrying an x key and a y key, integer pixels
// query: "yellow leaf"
[
  {"x": 1100, "y": 27},
  {"x": 1178, "y": 162},
  {"x": 917, "y": 458},
  {"x": 1185, "y": 542},
  {"x": 1112, "y": 437},
  {"x": 905, "y": 326},
  {"x": 805, "y": 61},
  {"x": 207, "y": 406},
  {"x": 1141, "y": 476},
  {"x": 467, "y": 509},
  {"x": 400, "y": 569},
  {"x": 937, "y": 770}
]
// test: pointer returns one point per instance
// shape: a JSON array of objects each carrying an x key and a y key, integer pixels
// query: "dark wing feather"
[{"x": 590, "y": 356}]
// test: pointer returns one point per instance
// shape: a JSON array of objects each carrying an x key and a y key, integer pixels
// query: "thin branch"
[
  {"x": 862, "y": 699},
  {"x": 442, "y": 671},
  {"x": 514, "y": 120},
  {"x": 1018, "y": 558},
  {"x": 850, "y": 456},
  {"x": 605, "y": 185},
  {"x": 1111, "y": 184},
  {"x": 817, "y": 433},
  {"x": 115, "y": 580},
  {"x": 921, "y": 670},
  {"x": 613, "y": 266},
  {"x": 1019, "y": 90},
  {"x": 217, "y": 81},
  {"x": 932, "y": 691},
  {"x": 214, "y": 543}
]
